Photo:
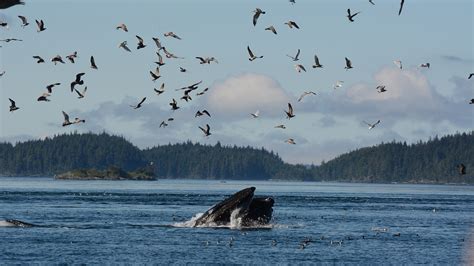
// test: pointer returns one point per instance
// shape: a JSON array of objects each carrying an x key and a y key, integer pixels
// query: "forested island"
[{"x": 432, "y": 161}]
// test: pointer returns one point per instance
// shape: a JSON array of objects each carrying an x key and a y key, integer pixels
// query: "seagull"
[
  {"x": 427, "y": 65},
  {"x": 381, "y": 88},
  {"x": 3, "y": 24},
  {"x": 81, "y": 94},
  {"x": 66, "y": 120},
  {"x": 4, "y": 4},
  {"x": 11, "y": 40},
  {"x": 40, "y": 60},
  {"x": 471, "y": 101},
  {"x": 470, "y": 76},
  {"x": 299, "y": 67},
  {"x": 290, "y": 141},
  {"x": 160, "y": 59},
  {"x": 206, "y": 60},
  {"x": 163, "y": 124},
  {"x": 50, "y": 87},
  {"x": 40, "y": 25},
  {"x": 372, "y": 2},
  {"x": 295, "y": 58},
  {"x": 272, "y": 29},
  {"x": 77, "y": 81},
  {"x": 351, "y": 16},
  {"x": 292, "y": 24},
  {"x": 186, "y": 95},
  {"x": 161, "y": 90},
  {"x": 140, "y": 44},
  {"x": 372, "y": 125},
  {"x": 13, "y": 106},
  {"x": 306, "y": 93},
  {"x": 72, "y": 56},
  {"x": 280, "y": 126},
  {"x": 338, "y": 84},
  {"x": 251, "y": 55},
  {"x": 139, "y": 104},
  {"x": 207, "y": 130},
  {"x": 202, "y": 92},
  {"x": 44, "y": 97},
  {"x": 93, "y": 65},
  {"x": 289, "y": 113},
  {"x": 174, "y": 105},
  {"x": 257, "y": 14},
  {"x": 157, "y": 42},
  {"x": 461, "y": 169},
  {"x": 171, "y": 34},
  {"x": 169, "y": 55},
  {"x": 204, "y": 112},
  {"x": 192, "y": 86},
  {"x": 3, "y": 73},
  {"x": 57, "y": 59},
  {"x": 122, "y": 27},
  {"x": 348, "y": 64},
  {"x": 398, "y": 63},
  {"x": 293, "y": 2},
  {"x": 256, "y": 114},
  {"x": 401, "y": 7},
  {"x": 155, "y": 75},
  {"x": 124, "y": 46},
  {"x": 316, "y": 62},
  {"x": 181, "y": 69}
]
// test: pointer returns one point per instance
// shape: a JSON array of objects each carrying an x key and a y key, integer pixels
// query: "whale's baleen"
[{"x": 252, "y": 211}]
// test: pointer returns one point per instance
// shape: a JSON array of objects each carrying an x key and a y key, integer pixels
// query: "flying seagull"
[
  {"x": 191, "y": 87},
  {"x": 290, "y": 141},
  {"x": 93, "y": 65},
  {"x": 426, "y": 65},
  {"x": 72, "y": 56},
  {"x": 251, "y": 55},
  {"x": 272, "y": 29},
  {"x": 140, "y": 44},
  {"x": 161, "y": 90},
  {"x": 3, "y": 73},
  {"x": 81, "y": 94},
  {"x": 256, "y": 114},
  {"x": 207, "y": 130},
  {"x": 292, "y": 24},
  {"x": 40, "y": 25},
  {"x": 372, "y": 2},
  {"x": 170, "y": 55},
  {"x": 372, "y": 125},
  {"x": 186, "y": 95},
  {"x": 4, "y": 4},
  {"x": 44, "y": 97},
  {"x": 351, "y": 16},
  {"x": 77, "y": 81},
  {"x": 24, "y": 21},
  {"x": 155, "y": 75},
  {"x": 381, "y": 88},
  {"x": 124, "y": 46},
  {"x": 157, "y": 42},
  {"x": 398, "y": 63},
  {"x": 461, "y": 169},
  {"x": 306, "y": 93},
  {"x": 201, "y": 113},
  {"x": 293, "y": 2},
  {"x": 289, "y": 113},
  {"x": 401, "y": 7},
  {"x": 470, "y": 76},
  {"x": 471, "y": 101},
  {"x": 206, "y": 60},
  {"x": 139, "y": 104},
  {"x": 280, "y": 126},
  {"x": 174, "y": 105},
  {"x": 257, "y": 14},
  {"x": 299, "y": 68},
  {"x": 295, "y": 58},
  {"x": 348, "y": 64},
  {"x": 40, "y": 60},
  {"x": 202, "y": 92},
  {"x": 50, "y": 87},
  {"x": 172, "y": 34},
  {"x": 316, "y": 62},
  {"x": 338, "y": 84},
  {"x": 163, "y": 124},
  {"x": 66, "y": 120},
  {"x": 57, "y": 59},
  {"x": 13, "y": 106},
  {"x": 160, "y": 59},
  {"x": 11, "y": 40},
  {"x": 182, "y": 69},
  {"x": 122, "y": 27}
]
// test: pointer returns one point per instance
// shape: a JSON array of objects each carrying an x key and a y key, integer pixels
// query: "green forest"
[{"x": 432, "y": 161}]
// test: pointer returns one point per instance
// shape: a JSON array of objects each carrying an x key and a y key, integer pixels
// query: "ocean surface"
[{"x": 147, "y": 222}]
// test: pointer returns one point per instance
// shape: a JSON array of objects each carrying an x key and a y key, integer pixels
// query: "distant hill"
[{"x": 433, "y": 161}]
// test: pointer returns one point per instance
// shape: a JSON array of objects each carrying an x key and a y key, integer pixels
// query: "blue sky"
[{"x": 419, "y": 103}]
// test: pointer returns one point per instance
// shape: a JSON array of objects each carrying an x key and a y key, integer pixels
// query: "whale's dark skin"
[
  {"x": 253, "y": 211},
  {"x": 4, "y": 4},
  {"x": 19, "y": 223}
]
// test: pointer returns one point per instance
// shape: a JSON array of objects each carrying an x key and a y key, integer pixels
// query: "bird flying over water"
[
  {"x": 66, "y": 119},
  {"x": 50, "y": 87},
  {"x": 292, "y": 24},
  {"x": 256, "y": 15},
  {"x": 72, "y": 57},
  {"x": 316, "y": 62},
  {"x": 158, "y": 43},
  {"x": 372, "y": 125},
  {"x": 206, "y": 131},
  {"x": 122, "y": 27},
  {"x": 124, "y": 46},
  {"x": 289, "y": 113},
  {"x": 40, "y": 25},
  {"x": 77, "y": 81},
  {"x": 174, "y": 105},
  {"x": 295, "y": 58},
  {"x": 272, "y": 29},
  {"x": 401, "y": 7},
  {"x": 24, "y": 21},
  {"x": 348, "y": 64},
  {"x": 471, "y": 101},
  {"x": 206, "y": 60},
  {"x": 155, "y": 75},
  {"x": 201, "y": 113},
  {"x": 251, "y": 55},
  {"x": 81, "y": 94},
  {"x": 139, "y": 104},
  {"x": 381, "y": 88},
  {"x": 172, "y": 34},
  {"x": 470, "y": 76},
  {"x": 351, "y": 16},
  {"x": 11, "y": 40},
  {"x": 372, "y": 2},
  {"x": 44, "y": 97},
  {"x": 161, "y": 90},
  {"x": 57, "y": 59},
  {"x": 140, "y": 44},
  {"x": 300, "y": 68},
  {"x": 202, "y": 92},
  {"x": 306, "y": 93},
  {"x": 160, "y": 59},
  {"x": 93, "y": 65},
  {"x": 13, "y": 106},
  {"x": 40, "y": 60}
]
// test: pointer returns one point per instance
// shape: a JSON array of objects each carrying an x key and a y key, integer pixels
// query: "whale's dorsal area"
[{"x": 15, "y": 223}]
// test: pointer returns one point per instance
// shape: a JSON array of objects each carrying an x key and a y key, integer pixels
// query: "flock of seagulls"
[{"x": 203, "y": 60}]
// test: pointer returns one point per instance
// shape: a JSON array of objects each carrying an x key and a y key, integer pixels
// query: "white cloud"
[{"x": 241, "y": 95}]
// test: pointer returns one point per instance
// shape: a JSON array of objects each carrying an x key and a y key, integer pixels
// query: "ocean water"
[{"x": 133, "y": 222}]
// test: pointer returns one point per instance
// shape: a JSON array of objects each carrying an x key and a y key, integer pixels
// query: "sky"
[{"x": 419, "y": 103}]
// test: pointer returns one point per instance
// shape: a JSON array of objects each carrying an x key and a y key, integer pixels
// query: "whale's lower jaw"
[{"x": 251, "y": 211}]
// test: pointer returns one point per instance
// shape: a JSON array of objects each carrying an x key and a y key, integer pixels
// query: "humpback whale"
[
  {"x": 16, "y": 223},
  {"x": 242, "y": 205}
]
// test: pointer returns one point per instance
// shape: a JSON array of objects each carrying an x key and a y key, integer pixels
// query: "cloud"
[{"x": 238, "y": 96}]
